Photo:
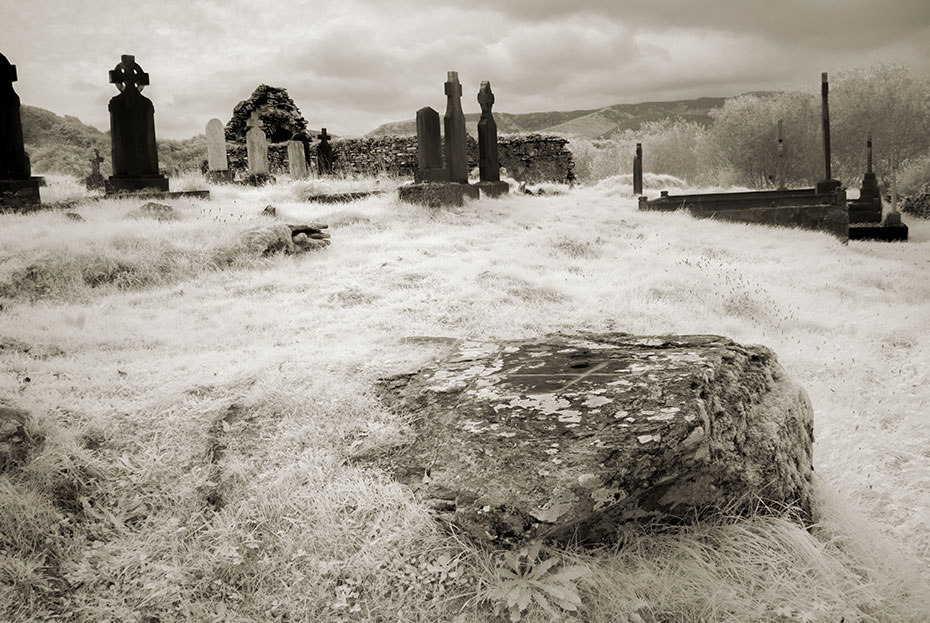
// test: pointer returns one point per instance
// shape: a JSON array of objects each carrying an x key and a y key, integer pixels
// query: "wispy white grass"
[{"x": 201, "y": 417}]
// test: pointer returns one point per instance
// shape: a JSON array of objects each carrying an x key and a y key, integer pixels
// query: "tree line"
[{"x": 739, "y": 147}]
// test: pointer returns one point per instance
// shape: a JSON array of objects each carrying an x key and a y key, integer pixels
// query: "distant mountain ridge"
[{"x": 595, "y": 123}]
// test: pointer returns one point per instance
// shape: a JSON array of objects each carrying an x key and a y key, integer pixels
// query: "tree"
[
  {"x": 886, "y": 101},
  {"x": 744, "y": 138}
]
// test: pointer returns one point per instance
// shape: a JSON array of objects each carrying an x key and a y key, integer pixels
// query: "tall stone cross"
[
  {"x": 488, "y": 164},
  {"x": 324, "y": 154},
  {"x": 454, "y": 126},
  {"x": 256, "y": 145},
  {"x": 828, "y": 184},
  {"x": 132, "y": 131},
  {"x": 14, "y": 164}
]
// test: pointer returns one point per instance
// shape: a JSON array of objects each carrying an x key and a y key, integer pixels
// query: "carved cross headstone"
[
  {"x": 216, "y": 146},
  {"x": 429, "y": 148},
  {"x": 324, "y": 154},
  {"x": 256, "y": 145},
  {"x": 488, "y": 164},
  {"x": 638, "y": 170},
  {"x": 454, "y": 125},
  {"x": 297, "y": 160},
  {"x": 132, "y": 131},
  {"x": 95, "y": 179},
  {"x": 19, "y": 191},
  {"x": 14, "y": 164}
]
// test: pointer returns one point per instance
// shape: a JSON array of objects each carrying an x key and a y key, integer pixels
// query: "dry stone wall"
[{"x": 526, "y": 158}]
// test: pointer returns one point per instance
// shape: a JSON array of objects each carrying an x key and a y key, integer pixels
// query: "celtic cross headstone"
[
  {"x": 19, "y": 191},
  {"x": 132, "y": 131}
]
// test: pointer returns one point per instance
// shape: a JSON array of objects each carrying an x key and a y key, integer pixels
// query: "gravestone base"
[
  {"x": 95, "y": 182},
  {"x": 134, "y": 183},
  {"x": 154, "y": 194},
  {"x": 883, "y": 232},
  {"x": 493, "y": 189},
  {"x": 219, "y": 177},
  {"x": 20, "y": 195},
  {"x": 865, "y": 211},
  {"x": 437, "y": 195},
  {"x": 257, "y": 179},
  {"x": 431, "y": 175},
  {"x": 827, "y": 186}
]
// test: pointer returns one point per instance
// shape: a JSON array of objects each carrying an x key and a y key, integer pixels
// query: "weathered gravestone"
[
  {"x": 489, "y": 167},
  {"x": 868, "y": 207},
  {"x": 296, "y": 160},
  {"x": 454, "y": 126},
  {"x": 95, "y": 180},
  {"x": 256, "y": 145},
  {"x": 132, "y": 132},
  {"x": 19, "y": 191},
  {"x": 429, "y": 148},
  {"x": 217, "y": 161},
  {"x": 568, "y": 437},
  {"x": 324, "y": 154},
  {"x": 434, "y": 188},
  {"x": 638, "y": 170}
]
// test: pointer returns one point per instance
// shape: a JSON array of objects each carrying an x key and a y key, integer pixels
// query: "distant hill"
[
  {"x": 57, "y": 144},
  {"x": 596, "y": 123}
]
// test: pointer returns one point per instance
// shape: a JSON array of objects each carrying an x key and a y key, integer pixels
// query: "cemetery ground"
[{"x": 197, "y": 411}]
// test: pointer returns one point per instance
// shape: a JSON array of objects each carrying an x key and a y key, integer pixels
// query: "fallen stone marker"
[
  {"x": 568, "y": 437},
  {"x": 343, "y": 197},
  {"x": 158, "y": 211},
  {"x": 270, "y": 239}
]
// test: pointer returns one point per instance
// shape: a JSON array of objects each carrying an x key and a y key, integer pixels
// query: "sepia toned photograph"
[{"x": 464, "y": 312}]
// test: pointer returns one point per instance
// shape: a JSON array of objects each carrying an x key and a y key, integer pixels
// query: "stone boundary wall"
[{"x": 526, "y": 157}]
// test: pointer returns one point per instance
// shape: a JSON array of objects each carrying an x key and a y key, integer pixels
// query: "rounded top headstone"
[{"x": 7, "y": 70}]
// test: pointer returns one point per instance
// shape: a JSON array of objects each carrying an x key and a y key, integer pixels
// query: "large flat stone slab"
[{"x": 568, "y": 437}]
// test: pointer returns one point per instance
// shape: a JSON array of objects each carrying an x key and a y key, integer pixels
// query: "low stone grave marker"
[
  {"x": 256, "y": 146},
  {"x": 567, "y": 437},
  {"x": 297, "y": 161}
]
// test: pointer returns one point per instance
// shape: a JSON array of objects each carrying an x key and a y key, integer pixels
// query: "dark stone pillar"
[
  {"x": 638, "y": 170},
  {"x": 828, "y": 184}
]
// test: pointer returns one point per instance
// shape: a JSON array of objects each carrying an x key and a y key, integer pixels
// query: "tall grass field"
[{"x": 197, "y": 411}]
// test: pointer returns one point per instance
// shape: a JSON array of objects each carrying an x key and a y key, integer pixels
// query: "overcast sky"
[{"x": 351, "y": 65}]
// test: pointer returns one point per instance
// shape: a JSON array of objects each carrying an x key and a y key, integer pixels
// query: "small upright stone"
[
  {"x": 489, "y": 167},
  {"x": 638, "y": 170},
  {"x": 19, "y": 191},
  {"x": 868, "y": 207},
  {"x": 132, "y": 132},
  {"x": 296, "y": 160},
  {"x": 324, "y": 154},
  {"x": 256, "y": 146},
  {"x": 454, "y": 125},
  {"x": 95, "y": 180}
]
